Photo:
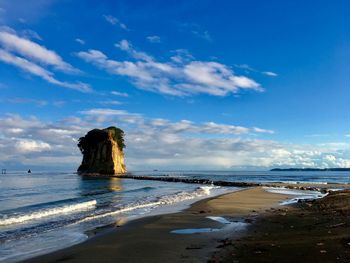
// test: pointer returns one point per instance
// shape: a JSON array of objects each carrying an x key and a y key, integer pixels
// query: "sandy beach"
[
  {"x": 150, "y": 239},
  {"x": 261, "y": 230}
]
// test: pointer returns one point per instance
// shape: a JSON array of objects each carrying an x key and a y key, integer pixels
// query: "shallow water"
[{"x": 226, "y": 225}]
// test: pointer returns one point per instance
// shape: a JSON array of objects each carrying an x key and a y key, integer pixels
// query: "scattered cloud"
[
  {"x": 176, "y": 77},
  {"x": 181, "y": 56},
  {"x": 32, "y": 58},
  {"x": 29, "y": 146},
  {"x": 248, "y": 68},
  {"x": 35, "y": 102},
  {"x": 111, "y": 102},
  {"x": 39, "y": 71},
  {"x": 196, "y": 30},
  {"x": 121, "y": 94},
  {"x": 269, "y": 73},
  {"x": 58, "y": 103},
  {"x": 183, "y": 126},
  {"x": 115, "y": 21},
  {"x": 202, "y": 34},
  {"x": 80, "y": 41},
  {"x": 30, "y": 34},
  {"x": 39, "y": 103},
  {"x": 160, "y": 143},
  {"x": 31, "y": 50},
  {"x": 153, "y": 39}
]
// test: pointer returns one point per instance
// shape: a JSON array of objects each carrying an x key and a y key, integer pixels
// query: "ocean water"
[
  {"x": 43, "y": 212},
  {"x": 46, "y": 211}
]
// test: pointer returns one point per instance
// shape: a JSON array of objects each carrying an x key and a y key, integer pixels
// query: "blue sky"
[{"x": 194, "y": 84}]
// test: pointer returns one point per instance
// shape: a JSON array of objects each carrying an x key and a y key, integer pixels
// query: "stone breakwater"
[{"x": 320, "y": 188}]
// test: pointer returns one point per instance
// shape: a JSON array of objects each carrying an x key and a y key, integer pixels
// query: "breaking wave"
[
  {"x": 161, "y": 201},
  {"x": 47, "y": 212}
]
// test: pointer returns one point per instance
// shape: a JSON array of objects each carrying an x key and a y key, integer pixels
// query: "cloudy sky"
[{"x": 194, "y": 84}]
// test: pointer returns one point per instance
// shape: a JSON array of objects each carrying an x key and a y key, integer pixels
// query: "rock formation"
[{"x": 102, "y": 152}]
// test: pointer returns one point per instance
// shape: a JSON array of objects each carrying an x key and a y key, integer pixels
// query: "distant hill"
[{"x": 310, "y": 169}]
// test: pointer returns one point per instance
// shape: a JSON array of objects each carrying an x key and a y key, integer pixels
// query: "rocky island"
[{"x": 102, "y": 151}]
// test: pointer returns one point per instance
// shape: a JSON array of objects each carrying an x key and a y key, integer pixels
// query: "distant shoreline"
[{"x": 310, "y": 170}]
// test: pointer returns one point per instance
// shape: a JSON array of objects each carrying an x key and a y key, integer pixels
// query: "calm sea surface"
[{"x": 43, "y": 212}]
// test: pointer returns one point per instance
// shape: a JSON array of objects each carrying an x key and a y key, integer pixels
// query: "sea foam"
[
  {"x": 161, "y": 201},
  {"x": 47, "y": 212}
]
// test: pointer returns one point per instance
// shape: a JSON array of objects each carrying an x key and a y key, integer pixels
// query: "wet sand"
[
  {"x": 149, "y": 239},
  {"x": 312, "y": 231}
]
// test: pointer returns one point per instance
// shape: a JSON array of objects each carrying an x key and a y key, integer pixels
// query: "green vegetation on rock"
[{"x": 95, "y": 136}]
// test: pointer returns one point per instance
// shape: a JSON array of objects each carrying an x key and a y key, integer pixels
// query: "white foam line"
[
  {"x": 165, "y": 200},
  {"x": 48, "y": 212},
  {"x": 301, "y": 194}
]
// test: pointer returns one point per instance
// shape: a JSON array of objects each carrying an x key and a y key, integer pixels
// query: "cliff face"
[{"x": 102, "y": 152}]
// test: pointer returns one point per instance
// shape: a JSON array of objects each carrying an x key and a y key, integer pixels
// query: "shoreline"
[
  {"x": 149, "y": 239},
  {"x": 300, "y": 185},
  {"x": 152, "y": 238}
]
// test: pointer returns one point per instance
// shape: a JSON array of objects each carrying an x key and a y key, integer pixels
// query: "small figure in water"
[{"x": 29, "y": 171}]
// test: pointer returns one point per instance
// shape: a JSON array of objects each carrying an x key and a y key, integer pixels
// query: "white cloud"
[
  {"x": 36, "y": 102},
  {"x": 34, "y": 51},
  {"x": 111, "y": 102},
  {"x": 153, "y": 39},
  {"x": 153, "y": 143},
  {"x": 115, "y": 21},
  {"x": 270, "y": 73},
  {"x": 18, "y": 100},
  {"x": 202, "y": 34},
  {"x": 39, "y": 71},
  {"x": 80, "y": 41},
  {"x": 181, "y": 56},
  {"x": 126, "y": 46},
  {"x": 27, "y": 146},
  {"x": 248, "y": 68},
  {"x": 121, "y": 94},
  {"x": 196, "y": 30},
  {"x": 177, "y": 77},
  {"x": 30, "y": 34},
  {"x": 183, "y": 126}
]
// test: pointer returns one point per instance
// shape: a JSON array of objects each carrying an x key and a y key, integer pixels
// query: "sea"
[{"x": 42, "y": 212}]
